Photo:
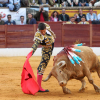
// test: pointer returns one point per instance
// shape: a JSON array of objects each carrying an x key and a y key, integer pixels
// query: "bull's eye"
[{"x": 60, "y": 71}]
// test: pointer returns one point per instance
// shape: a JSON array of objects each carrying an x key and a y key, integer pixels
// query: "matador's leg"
[{"x": 46, "y": 53}]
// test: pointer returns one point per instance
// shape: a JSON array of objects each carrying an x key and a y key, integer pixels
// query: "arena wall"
[
  {"x": 21, "y": 36},
  {"x": 17, "y": 40},
  {"x": 10, "y": 52}
]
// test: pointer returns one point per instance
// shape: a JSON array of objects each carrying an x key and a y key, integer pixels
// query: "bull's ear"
[{"x": 61, "y": 64}]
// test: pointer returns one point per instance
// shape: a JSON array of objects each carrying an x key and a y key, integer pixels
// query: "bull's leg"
[
  {"x": 88, "y": 74},
  {"x": 66, "y": 90},
  {"x": 83, "y": 85},
  {"x": 98, "y": 69}
]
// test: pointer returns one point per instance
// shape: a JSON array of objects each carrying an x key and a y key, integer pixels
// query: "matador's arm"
[{"x": 35, "y": 45}]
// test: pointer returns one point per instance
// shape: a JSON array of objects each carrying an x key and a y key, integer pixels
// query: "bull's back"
[{"x": 88, "y": 56}]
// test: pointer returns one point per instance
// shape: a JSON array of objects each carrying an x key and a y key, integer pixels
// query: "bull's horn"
[
  {"x": 47, "y": 77},
  {"x": 61, "y": 63}
]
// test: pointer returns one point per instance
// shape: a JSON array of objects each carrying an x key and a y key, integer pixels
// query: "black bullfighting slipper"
[{"x": 44, "y": 91}]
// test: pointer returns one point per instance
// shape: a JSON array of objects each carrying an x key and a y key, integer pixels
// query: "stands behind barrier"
[{"x": 21, "y": 36}]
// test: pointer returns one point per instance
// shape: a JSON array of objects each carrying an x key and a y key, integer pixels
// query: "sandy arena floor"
[{"x": 10, "y": 79}]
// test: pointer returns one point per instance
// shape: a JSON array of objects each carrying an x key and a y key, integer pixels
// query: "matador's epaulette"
[{"x": 38, "y": 36}]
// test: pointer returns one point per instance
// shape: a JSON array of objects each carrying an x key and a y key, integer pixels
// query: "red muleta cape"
[{"x": 28, "y": 81}]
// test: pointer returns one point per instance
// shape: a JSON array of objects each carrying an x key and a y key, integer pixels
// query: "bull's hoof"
[
  {"x": 81, "y": 90},
  {"x": 97, "y": 89},
  {"x": 66, "y": 90}
]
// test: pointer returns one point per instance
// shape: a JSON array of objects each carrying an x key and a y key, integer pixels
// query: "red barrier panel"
[
  {"x": 96, "y": 35},
  {"x": 76, "y": 33},
  {"x": 21, "y": 36},
  {"x": 2, "y": 36}
]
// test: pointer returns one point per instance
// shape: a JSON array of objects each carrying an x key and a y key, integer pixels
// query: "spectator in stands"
[
  {"x": 14, "y": 5},
  {"x": 24, "y": 3},
  {"x": 42, "y": 15},
  {"x": 1, "y": 21},
  {"x": 72, "y": 21},
  {"x": 9, "y": 21},
  {"x": 98, "y": 17},
  {"x": 81, "y": 14},
  {"x": 83, "y": 3},
  {"x": 30, "y": 2},
  {"x": 54, "y": 17},
  {"x": 21, "y": 20},
  {"x": 51, "y": 2},
  {"x": 91, "y": 2},
  {"x": 97, "y": 3},
  {"x": 27, "y": 3},
  {"x": 63, "y": 16},
  {"x": 31, "y": 20},
  {"x": 83, "y": 21},
  {"x": 73, "y": 3},
  {"x": 47, "y": 1},
  {"x": 1, "y": 5},
  {"x": 77, "y": 19},
  {"x": 91, "y": 16},
  {"x": 65, "y": 3},
  {"x": 58, "y": 2},
  {"x": 34, "y": 2},
  {"x": 3, "y": 2},
  {"x": 40, "y": 2}
]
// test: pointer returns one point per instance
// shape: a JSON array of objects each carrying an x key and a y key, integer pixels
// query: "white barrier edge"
[{"x": 8, "y": 52}]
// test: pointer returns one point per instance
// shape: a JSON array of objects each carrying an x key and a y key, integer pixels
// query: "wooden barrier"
[
  {"x": 96, "y": 35},
  {"x": 21, "y": 36},
  {"x": 76, "y": 33},
  {"x": 3, "y": 36}
]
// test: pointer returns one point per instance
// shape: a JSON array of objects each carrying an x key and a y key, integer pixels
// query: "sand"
[{"x": 10, "y": 82}]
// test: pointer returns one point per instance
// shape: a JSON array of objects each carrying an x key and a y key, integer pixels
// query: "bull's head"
[{"x": 59, "y": 73}]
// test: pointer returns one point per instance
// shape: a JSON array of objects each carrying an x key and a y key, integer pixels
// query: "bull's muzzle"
[{"x": 62, "y": 83}]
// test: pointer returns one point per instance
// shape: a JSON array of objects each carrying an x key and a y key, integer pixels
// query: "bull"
[{"x": 63, "y": 70}]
